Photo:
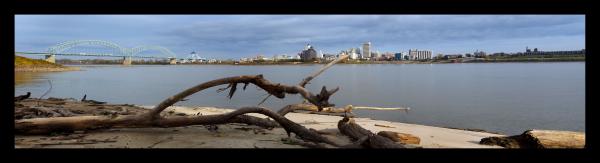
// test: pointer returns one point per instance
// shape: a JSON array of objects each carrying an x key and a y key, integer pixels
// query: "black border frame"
[{"x": 293, "y": 7}]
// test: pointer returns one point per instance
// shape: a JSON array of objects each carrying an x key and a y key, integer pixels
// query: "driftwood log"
[
  {"x": 314, "y": 109},
  {"x": 366, "y": 138},
  {"x": 314, "y": 75},
  {"x": 22, "y": 97},
  {"x": 400, "y": 137},
  {"x": 539, "y": 139},
  {"x": 153, "y": 119}
]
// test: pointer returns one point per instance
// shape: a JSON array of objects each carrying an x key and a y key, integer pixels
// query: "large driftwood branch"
[
  {"x": 276, "y": 89},
  {"x": 78, "y": 123},
  {"x": 317, "y": 73},
  {"x": 348, "y": 127},
  {"x": 312, "y": 76},
  {"x": 308, "y": 107},
  {"x": 48, "y": 125},
  {"x": 67, "y": 124}
]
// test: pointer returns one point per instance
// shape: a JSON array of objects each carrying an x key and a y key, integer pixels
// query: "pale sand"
[{"x": 251, "y": 136}]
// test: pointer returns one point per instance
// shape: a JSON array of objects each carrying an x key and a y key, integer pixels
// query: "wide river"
[{"x": 502, "y": 97}]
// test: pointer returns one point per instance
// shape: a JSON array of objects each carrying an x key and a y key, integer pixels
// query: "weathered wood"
[
  {"x": 386, "y": 126},
  {"x": 35, "y": 112},
  {"x": 351, "y": 115},
  {"x": 312, "y": 108},
  {"x": 379, "y": 108},
  {"x": 317, "y": 73},
  {"x": 84, "y": 99},
  {"x": 67, "y": 124},
  {"x": 312, "y": 76},
  {"x": 539, "y": 139},
  {"x": 294, "y": 141},
  {"x": 348, "y": 127},
  {"x": 557, "y": 139},
  {"x": 22, "y": 97},
  {"x": 276, "y": 89},
  {"x": 82, "y": 123},
  {"x": 400, "y": 137}
]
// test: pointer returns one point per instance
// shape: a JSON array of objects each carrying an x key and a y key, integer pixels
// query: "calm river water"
[{"x": 503, "y": 97}]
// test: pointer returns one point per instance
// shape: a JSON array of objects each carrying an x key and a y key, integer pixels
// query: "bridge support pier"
[
  {"x": 126, "y": 60},
  {"x": 51, "y": 58},
  {"x": 173, "y": 61}
]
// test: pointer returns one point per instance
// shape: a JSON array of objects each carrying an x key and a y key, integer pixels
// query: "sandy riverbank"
[
  {"x": 244, "y": 136},
  {"x": 46, "y": 69},
  {"x": 24, "y": 64}
]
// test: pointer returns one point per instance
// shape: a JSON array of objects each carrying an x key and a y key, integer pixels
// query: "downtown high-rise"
[{"x": 366, "y": 51}]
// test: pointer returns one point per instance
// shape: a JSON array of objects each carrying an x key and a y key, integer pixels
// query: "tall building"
[
  {"x": 419, "y": 54},
  {"x": 366, "y": 51},
  {"x": 376, "y": 55},
  {"x": 309, "y": 54},
  {"x": 353, "y": 54},
  {"x": 320, "y": 54}
]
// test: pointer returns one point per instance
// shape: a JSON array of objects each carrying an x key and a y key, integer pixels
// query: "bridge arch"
[
  {"x": 137, "y": 50},
  {"x": 58, "y": 48}
]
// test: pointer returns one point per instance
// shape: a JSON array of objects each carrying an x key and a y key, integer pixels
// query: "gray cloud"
[{"x": 234, "y": 36}]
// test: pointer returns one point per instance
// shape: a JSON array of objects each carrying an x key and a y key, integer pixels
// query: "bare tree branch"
[
  {"x": 278, "y": 90},
  {"x": 317, "y": 73}
]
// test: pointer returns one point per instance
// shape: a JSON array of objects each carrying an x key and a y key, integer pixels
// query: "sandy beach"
[
  {"x": 46, "y": 69},
  {"x": 244, "y": 136}
]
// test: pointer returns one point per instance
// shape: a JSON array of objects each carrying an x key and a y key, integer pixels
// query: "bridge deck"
[{"x": 90, "y": 55}]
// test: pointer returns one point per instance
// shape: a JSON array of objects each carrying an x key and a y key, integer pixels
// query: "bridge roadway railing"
[{"x": 90, "y": 55}]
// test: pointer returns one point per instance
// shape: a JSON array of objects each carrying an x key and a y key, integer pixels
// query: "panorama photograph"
[{"x": 299, "y": 81}]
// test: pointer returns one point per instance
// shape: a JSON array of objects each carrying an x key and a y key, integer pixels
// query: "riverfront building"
[
  {"x": 415, "y": 54},
  {"x": 308, "y": 54},
  {"x": 366, "y": 51},
  {"x": 398, "y": 56},
  {"x": 353, "y": 54},
  {"x": 375, "y": 55},
  {"x": 536, "y": 52}
]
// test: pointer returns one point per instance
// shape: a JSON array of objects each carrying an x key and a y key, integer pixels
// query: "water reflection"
[
  {"x": 507, "y": 97},
  {"x": 23, "y": 78}
]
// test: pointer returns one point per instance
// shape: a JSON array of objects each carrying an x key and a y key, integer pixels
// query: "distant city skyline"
[{"x": 236, "y": 36}]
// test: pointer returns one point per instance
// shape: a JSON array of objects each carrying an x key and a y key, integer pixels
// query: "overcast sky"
[{"x": 235, "y": 36}]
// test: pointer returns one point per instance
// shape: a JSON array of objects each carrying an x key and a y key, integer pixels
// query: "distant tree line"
[{"x": 107, "y": 61}]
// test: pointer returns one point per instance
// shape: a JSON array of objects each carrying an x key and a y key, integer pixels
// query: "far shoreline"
[{"x": 377, "y": 63}]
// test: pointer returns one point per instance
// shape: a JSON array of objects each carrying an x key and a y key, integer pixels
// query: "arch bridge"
[{"x": 101, "y": 48}]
